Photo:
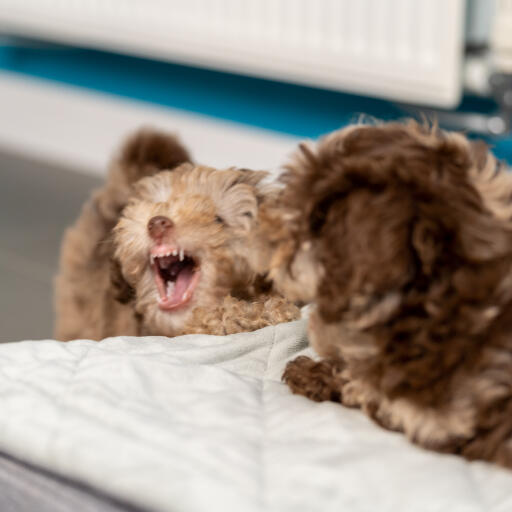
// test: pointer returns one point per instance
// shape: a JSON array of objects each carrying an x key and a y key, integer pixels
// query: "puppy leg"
[{"x": 319, "y": 381}]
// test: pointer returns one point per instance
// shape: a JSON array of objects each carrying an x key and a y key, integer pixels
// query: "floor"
[
  {"x": 37, "y": 202},
  {"x": 24, "y": 487}
]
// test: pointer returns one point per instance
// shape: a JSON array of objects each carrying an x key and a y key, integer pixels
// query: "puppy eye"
[{"x": 219, "y": 219}]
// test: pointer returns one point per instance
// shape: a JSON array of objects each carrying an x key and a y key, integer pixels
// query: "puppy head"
[
  {"x": 180, "y": 241},
  {"x": 390, "y": 218}
]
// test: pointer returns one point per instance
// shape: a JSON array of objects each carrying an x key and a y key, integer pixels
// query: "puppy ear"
[
  {"x": 123, "y": 292},
  {"x": 363, "y": 249},
  {"x": 240, "y": 197}
]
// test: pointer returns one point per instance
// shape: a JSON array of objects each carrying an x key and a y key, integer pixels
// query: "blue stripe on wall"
[{"x": 287, "y": 108}]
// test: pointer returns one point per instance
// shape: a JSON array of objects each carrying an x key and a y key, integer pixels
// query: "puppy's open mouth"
[{"x": 176, "y": 275}]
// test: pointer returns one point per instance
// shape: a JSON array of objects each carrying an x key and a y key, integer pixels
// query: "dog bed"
[{"x": 202, "y": 423}]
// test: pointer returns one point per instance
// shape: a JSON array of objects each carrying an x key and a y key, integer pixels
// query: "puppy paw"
[{"x": 319, "y": 381}]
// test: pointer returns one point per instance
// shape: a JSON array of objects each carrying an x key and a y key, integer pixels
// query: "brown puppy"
[
  {"x": 402, "y": 237},
  {"x": 163, "y": 255}
]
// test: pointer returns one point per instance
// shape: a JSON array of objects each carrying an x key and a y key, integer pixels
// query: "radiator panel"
[
  {"x": 502, "y": 36},
  {"x": 406, "y": 50}
]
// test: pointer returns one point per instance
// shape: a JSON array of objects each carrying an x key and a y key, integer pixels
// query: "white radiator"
[
  {"x": 407, "y": 50},
  {"x": 501, "y": 39}
]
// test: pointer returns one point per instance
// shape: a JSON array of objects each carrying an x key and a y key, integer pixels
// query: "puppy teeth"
[
  {"x": 181, "y": 255},
  {"x": 175, "y": 252}
]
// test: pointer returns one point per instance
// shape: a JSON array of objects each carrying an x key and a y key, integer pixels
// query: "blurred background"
[{"x": 241, "y": 81}]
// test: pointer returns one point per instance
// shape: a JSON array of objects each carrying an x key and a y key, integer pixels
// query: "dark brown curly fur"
[
  {"x": 317, "y": 380},
  {"x": 408, "y": 231}
]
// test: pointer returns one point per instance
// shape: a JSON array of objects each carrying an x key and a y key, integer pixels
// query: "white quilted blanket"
[{"x": 203, "y": 423}]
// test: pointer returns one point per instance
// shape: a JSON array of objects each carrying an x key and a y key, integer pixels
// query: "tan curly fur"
[
  {"x": 106, "y": 285},
  {"x": 234, "y": 315},
  {"x": 405, "y": 235}
]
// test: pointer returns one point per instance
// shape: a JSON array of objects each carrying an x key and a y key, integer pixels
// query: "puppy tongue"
[{"x": 182, "y": 283}]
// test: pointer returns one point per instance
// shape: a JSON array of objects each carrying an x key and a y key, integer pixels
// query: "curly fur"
[
  {"x": 405, "y": 233},
  {"x": 106, "y": 285},
  {"x": 234, "y": 315}
]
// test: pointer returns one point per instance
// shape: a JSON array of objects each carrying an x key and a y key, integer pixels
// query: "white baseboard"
[{"x": 80, "y": 129}]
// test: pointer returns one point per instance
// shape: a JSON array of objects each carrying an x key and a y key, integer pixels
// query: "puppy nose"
[{"x": 158, "y": 226}]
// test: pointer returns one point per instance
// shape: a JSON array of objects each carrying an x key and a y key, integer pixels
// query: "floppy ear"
[
  {"x": 238, "y": 206},
  {"x": 123, "y": 292},
  {"x": 364, "y": 250}
]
